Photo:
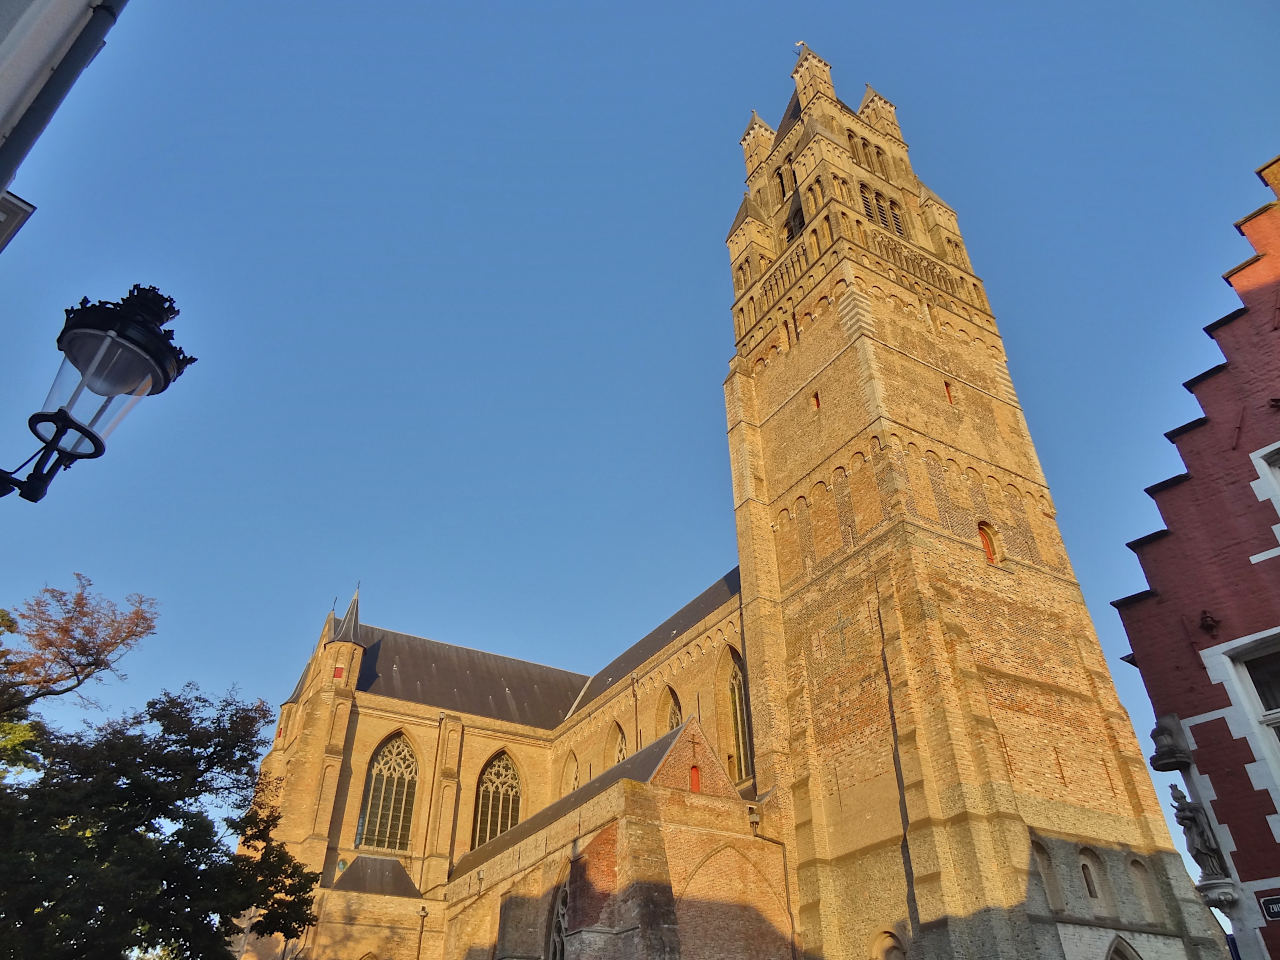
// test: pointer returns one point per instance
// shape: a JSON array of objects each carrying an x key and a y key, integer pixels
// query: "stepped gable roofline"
[
  {"x": 1176, "y": 432},
  {"x": 1199, "y": 378},
  {"x": 699, "y": 608},
  {"x": 462, "y": 680},
  {"x": 1166, "y": 483},
  {"x": 1129, "y": 601},
  {"x": 1235, "y": 314},
  {"x": 1137, "y": 545},
  {"x": 384, "y": 876},
  {"x": 749, "y": 209}
]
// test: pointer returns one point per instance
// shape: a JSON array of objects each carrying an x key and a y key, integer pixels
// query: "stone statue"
[{"x": 1201, "y": 843}]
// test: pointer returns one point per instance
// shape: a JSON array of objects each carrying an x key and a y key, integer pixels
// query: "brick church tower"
[
  {"x": 888, "y": 734},
  {"x": 937, "y": 737}
]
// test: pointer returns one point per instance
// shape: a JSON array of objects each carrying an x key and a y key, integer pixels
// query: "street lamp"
[{"x": 114, "y": 354}]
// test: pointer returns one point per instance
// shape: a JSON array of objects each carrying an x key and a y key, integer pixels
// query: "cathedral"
[{"x": 888, "y": 733}]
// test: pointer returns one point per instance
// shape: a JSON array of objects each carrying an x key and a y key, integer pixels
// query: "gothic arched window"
[
  {"x": 569, "y": 778},
  {"x": 497, "y": 799},
  {"x": 738, "y": 709},
  {"x": 881, "y": 213},
  {"x": 618, "y": 744},
  {"x": 669, "y": 715},
  {"x": 559, "y": 925},
  {"x": 387, "y": 811},
  {"x": 895, "y": 214},
  {"x": 866, "y": 201}
]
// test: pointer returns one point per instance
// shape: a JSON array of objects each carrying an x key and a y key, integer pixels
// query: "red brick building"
[{"x": 1206, "y": 634}]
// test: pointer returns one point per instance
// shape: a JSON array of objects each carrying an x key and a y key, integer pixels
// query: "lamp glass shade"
[{"x": 101, "y": 378}]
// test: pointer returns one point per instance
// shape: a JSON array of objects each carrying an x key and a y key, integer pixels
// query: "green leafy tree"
[{"x": 108, "y": 843}]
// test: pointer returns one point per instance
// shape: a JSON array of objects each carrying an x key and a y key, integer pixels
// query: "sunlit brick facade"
[{"x": 895, "y": 733}]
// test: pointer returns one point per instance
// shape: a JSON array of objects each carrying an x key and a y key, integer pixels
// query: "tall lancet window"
[
  {"x": 497, "y": 799},
  {"x": 387, "y": 811},
  {"x": 738, "y": 709}
]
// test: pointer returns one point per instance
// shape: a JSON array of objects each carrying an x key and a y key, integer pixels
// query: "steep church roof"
[
  {"x": 468, "y": 681},
  {"x": 450, "y": 677},
  {"x": 697, "y": 609}
]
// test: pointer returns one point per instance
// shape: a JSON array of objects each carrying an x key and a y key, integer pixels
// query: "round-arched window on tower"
[{"x": 987, "y": 536}]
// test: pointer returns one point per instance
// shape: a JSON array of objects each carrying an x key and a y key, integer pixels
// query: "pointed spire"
[
  {"x": 812, "y": 75},
  {"x": 752, "y": 124},
  {"x": 349, "y": 631},
  {"x": 879, "y": 111}
]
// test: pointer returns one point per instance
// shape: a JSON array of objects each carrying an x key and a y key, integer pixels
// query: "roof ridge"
[{"x": 462, "y": 646}]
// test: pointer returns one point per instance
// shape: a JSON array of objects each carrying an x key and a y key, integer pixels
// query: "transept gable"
[{"x": 668, "y": 762}]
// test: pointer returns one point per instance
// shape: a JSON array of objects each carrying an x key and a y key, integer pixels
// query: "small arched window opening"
[
  {"x": 987, "y": 534},
  {"x": 1048, "y": 877},
  {"x": 884, "y": 168},
  {"x": 695, "y": 780},
  {"x": 497, "y": 799},
  {"x": 881, "y": 213},
  {"x": 1144, "y": 886},
  {"x": 738, "y": 711},
  {"x": 866, "y": 201},
  {"x": 1090, "y": 887},
  {"x": 895, "y": 213},
  {"x": 387, "y": 811},
  {"x": 825, "y": 227},
  {"x": 1097, "y": 884},
  {"x": 782, "y": 181}
]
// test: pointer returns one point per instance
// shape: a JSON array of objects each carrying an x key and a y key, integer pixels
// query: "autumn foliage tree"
[{"x": 108, "y": 843}]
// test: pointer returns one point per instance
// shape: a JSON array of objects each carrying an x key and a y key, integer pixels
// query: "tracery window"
[
  {"x": 387, "y": 811},
  {"x": 738, "y": 710},
  {"x": 497, "y": 799},
  {"x": 673, "y": 717},
  {"x": 559, "y": 925},
  {"x": 619, "y": 744}
]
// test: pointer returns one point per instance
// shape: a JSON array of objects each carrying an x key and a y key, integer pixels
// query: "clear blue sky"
[{"x": 455, "y": 274}]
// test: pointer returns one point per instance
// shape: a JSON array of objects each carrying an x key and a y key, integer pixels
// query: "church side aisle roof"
[
  {"x": 468, "y": 681},
  {"x": 697, "y": 609}
]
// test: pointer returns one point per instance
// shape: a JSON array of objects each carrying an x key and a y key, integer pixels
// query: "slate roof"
[
  {"x": 381, "y": 875},
  {"x": 640, "y": 766},
  {"x": 749, "y": 208},
  {"x": 697, "y": 609},
  {"x": 469, "y": 681},
  {"x": 460, "y": 679}
]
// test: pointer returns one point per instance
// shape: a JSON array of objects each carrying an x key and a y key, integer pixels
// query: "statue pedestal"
[{"x": 1220, "y": 892}]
